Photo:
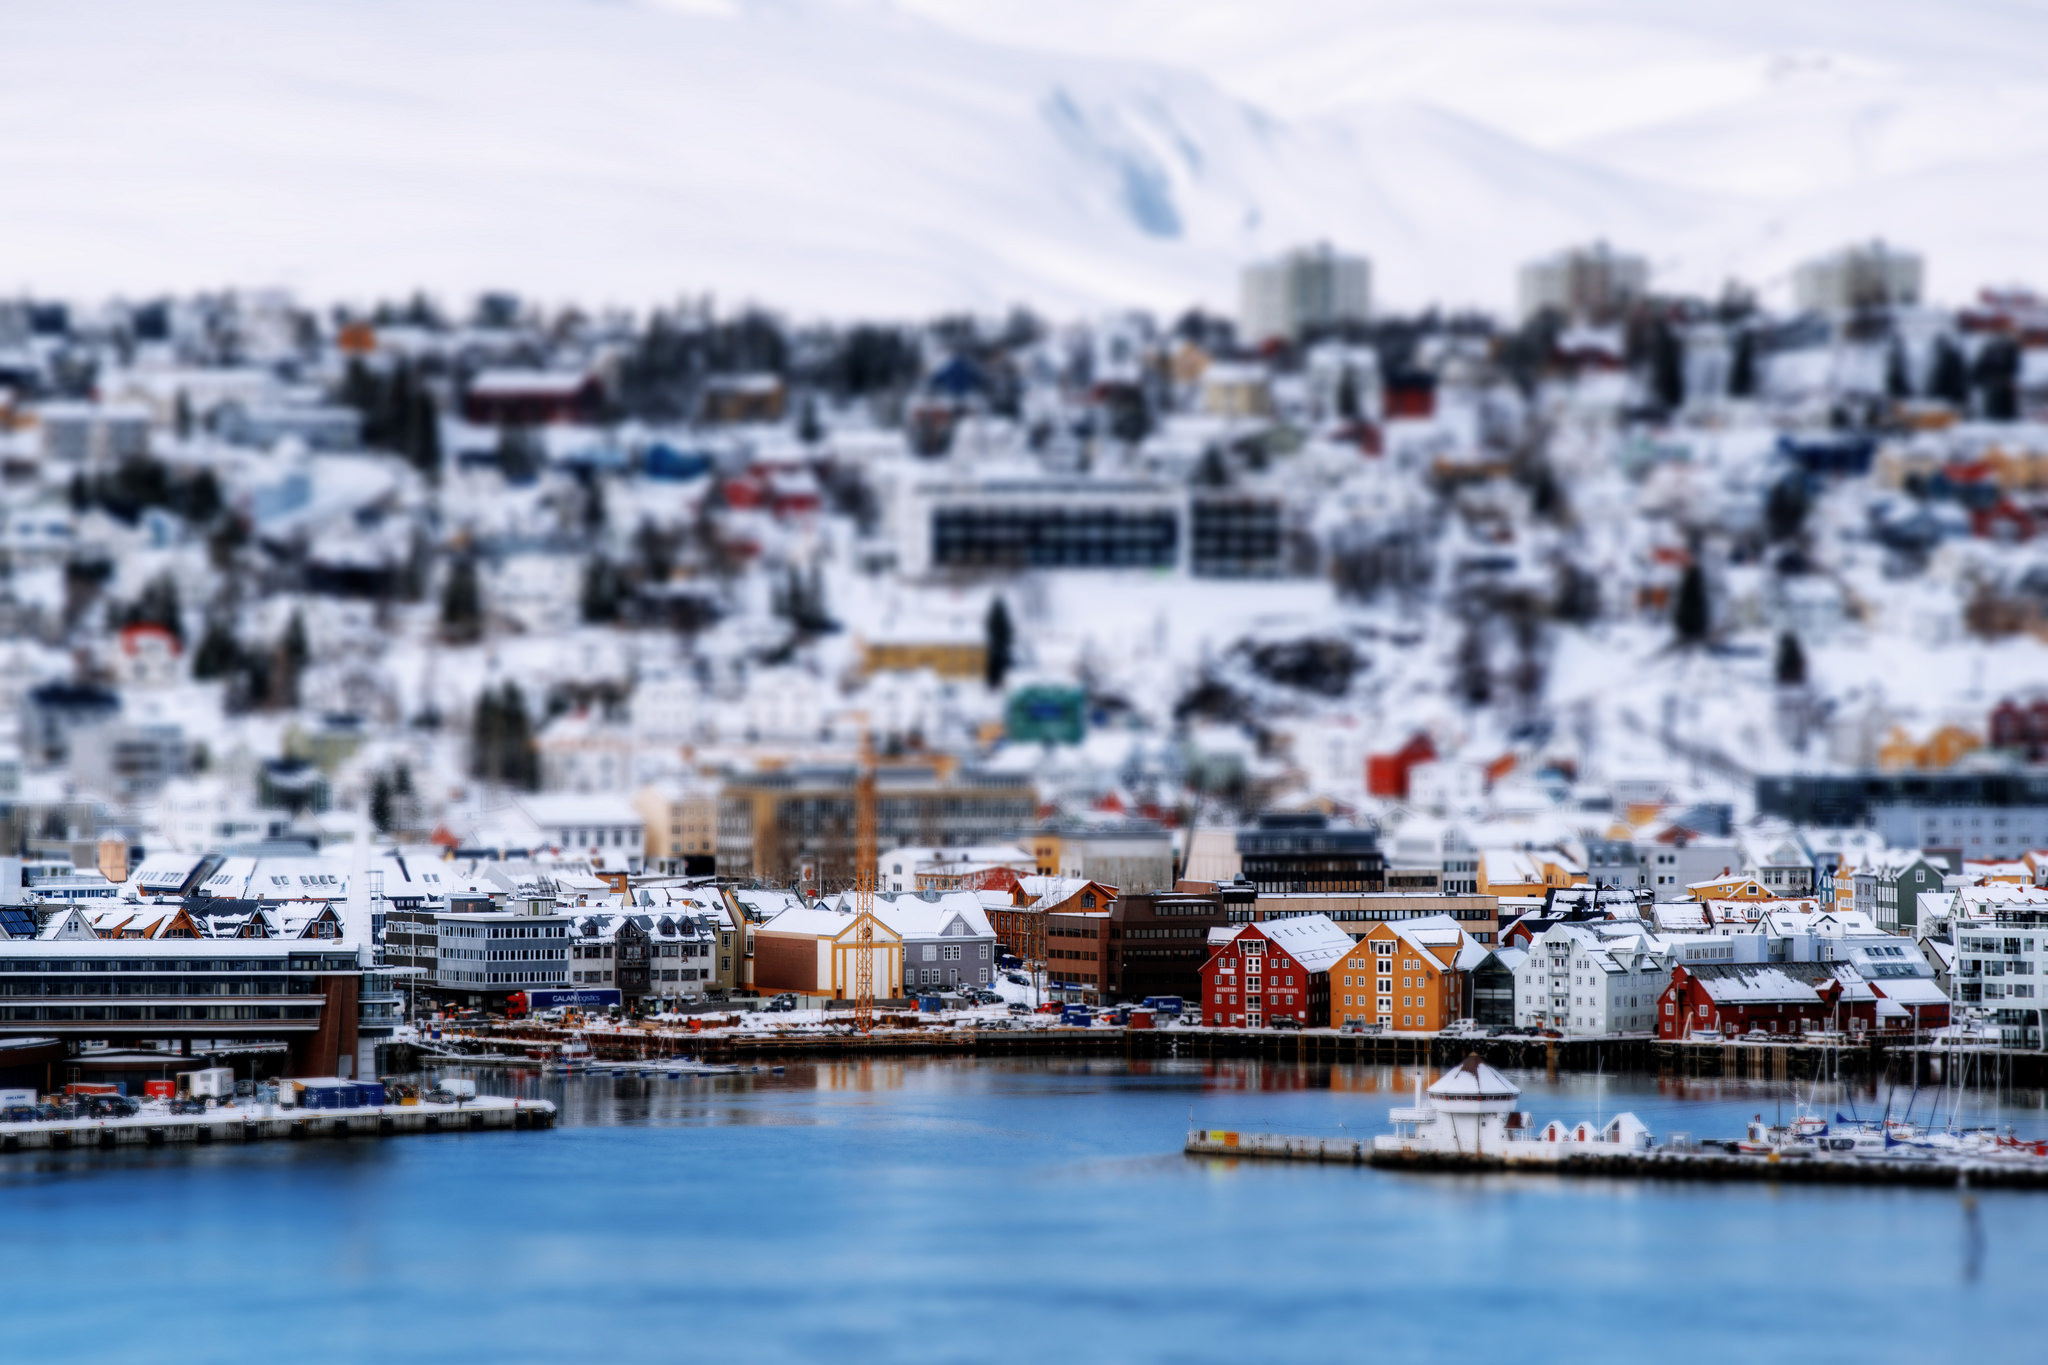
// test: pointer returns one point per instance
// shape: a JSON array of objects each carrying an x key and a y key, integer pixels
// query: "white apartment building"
[
  {"x": 1588, "y": 985},
  {"x": 1308, "y": 287},
  {"x": 1866, "y": 275},
  {"x": 1594, "y": 283}
]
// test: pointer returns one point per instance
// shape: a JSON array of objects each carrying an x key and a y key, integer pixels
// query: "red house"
[
  {"x": 1746, "y": 997},
  {"x": 1387, "y": 774},
  {"x": 526, "y": 398},
  {"x": 1275, "y": 969}
]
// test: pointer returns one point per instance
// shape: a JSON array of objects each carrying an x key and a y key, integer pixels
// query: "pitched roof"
[
  {"x": 1314, "y": 941},
  {"x": 1746, "y": 983}
]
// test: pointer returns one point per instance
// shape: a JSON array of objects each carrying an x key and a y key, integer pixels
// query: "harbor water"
[{"x": 937, "y": 1211}]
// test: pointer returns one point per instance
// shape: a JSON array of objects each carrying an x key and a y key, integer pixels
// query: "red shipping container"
[
  {"x": 91, "y": 1088},
  {"x": 160, "y": 1090}
]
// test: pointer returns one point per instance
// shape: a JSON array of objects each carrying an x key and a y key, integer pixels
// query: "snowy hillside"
[{"x": 923, "y": 154}]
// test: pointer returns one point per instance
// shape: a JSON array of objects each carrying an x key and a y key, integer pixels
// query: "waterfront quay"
[
  {"x": 1879, "y": 1060},
  {"x": 275, "y": 1123}
]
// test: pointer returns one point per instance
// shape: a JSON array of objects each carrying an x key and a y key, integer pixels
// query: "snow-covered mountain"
[{"x": 904, "y": 156}]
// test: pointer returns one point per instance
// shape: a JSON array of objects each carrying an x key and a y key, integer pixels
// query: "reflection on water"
[
  {"x": 931, "y": 1210},
  {"x": 1333, "y": 1098}
]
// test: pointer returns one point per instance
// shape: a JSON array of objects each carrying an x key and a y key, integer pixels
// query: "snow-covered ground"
[{"x": 900, "y": 157}]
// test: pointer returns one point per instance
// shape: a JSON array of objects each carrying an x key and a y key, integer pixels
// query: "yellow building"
[
  {"x": 1943, "y": 749},
  {"x": 958, "y": 656},
  {"x": 1737, "y": 887},
  {"x": 1526, "y": 871},
  {"x": 681, "y": 822}
]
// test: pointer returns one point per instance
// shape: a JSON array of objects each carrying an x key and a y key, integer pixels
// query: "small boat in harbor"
[
  {"x": 572, "y": 1057},
  {"x": 1468, "y": 1120}
]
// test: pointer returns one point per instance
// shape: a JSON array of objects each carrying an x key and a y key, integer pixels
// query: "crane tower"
[{"x": 865, "y": 855}]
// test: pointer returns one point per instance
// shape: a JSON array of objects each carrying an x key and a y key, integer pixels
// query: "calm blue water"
[{"x": 944, "y": 1211}]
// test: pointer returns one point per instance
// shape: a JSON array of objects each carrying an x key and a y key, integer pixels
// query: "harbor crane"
[{"x": 865, "y": 856}]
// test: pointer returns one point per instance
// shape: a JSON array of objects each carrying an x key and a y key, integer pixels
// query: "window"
[{"x": 931, "y": 952}]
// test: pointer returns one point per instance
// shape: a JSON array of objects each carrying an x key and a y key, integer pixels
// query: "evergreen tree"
[
  {"x": 380, "y": 803},
  {"x": 218, "y": 654},
  {"x": 1690, "y": 617},
  {"x": 1001, "y": 640},
  {"x": 1785, "y": 510},
  {"x": 808, "y": 429},
  {"x": 423, "y": 444},
  {"x": 1347, "y": 395},
  {"x": 1950, "y": 381},
  {"x": 462, "y": 606},
  {"x": 158, "y": 606},
  {"x": 1742, "y": 369},
  {"x": 501, "y": 739},
  {"x": 1997, "y": 380},
  {"x": 292, "y": 655},
  {"x": 654, "y": 552},
  {"x": 1473, "y": 673},
  {"x": 1667, "y": 369},
  {"x": 1898, "y": 385},
  {"x": 1791, "y": 665},
  {"x": 293, "y": 646},
  {"x": 602, "y": 589},
  {"x": 181, "y": 416}
]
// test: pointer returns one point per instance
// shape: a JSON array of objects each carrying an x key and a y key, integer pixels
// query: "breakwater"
[{"x": 2029, "y": 1173}]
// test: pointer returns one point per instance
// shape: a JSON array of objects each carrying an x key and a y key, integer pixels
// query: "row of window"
[
  {"x": 59, "y": 1014},
  {"x": 296, "y": 963}
]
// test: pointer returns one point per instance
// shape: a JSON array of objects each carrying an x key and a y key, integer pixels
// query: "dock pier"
[
  {"x": 1651, "y": 1165},
  {"x": 274, "y": 1123}
]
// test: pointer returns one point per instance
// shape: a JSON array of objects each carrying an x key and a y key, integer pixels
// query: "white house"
[{"x": 1589, "y": 985}]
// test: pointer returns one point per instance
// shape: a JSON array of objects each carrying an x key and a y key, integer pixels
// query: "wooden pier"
[{"x": 274, "y": 1123}]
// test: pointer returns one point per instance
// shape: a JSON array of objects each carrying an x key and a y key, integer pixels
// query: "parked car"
[
  {"x": 1458, "y": 1028},
  {"x": 1360, "y": 1026},
  {"x": 781, "y": 1004},
  {"x": 1285, "y": 1021},
  {"x": 1015, "y": 978},
  {"x": 1016, "y": 1007}
]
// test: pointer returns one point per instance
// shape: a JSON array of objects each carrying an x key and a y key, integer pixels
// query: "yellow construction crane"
[{"x": 865, "y": 856}]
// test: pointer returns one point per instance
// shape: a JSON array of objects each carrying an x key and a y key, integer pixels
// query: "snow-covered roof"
[
  {"x": 1314, "y": 941},
  {"x": 1473, "y": 1079},
  {"x": 819, "y": 922},
  {"x": 1752, "y": 984}
]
